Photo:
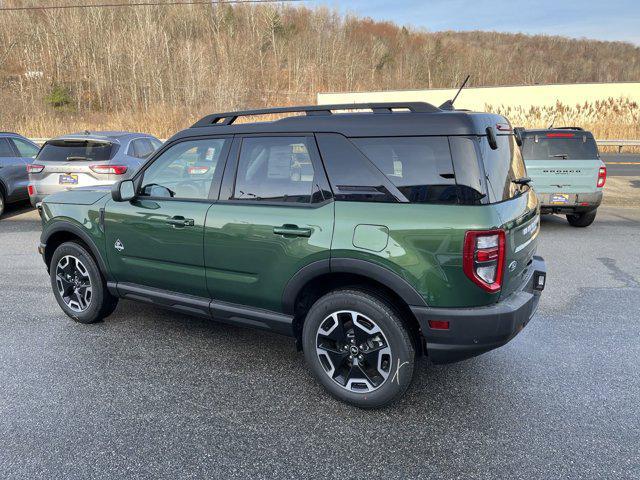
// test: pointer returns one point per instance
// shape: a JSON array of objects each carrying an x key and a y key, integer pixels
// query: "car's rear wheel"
[
  {"x": 581, "y": 219},
  {"x": 358, "y": 348},
  {"x": 78, "y": 285},
  {"x": 2, "y": 202}
]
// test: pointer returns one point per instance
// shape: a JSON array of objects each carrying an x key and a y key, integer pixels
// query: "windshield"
[
  {"x": 561, "y": 146},
  {"x": 76, "y": 150}
]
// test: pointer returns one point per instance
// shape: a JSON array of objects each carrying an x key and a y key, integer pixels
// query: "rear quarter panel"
[{"x": 424, "y": 245}]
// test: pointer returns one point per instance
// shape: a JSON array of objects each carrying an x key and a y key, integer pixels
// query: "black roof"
[{"x": 369, "y": 119}]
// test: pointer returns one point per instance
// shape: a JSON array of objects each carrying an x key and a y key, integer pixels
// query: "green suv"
[
  {"x": 566, "y": 171},
  {"x": 370, "y": 233}
]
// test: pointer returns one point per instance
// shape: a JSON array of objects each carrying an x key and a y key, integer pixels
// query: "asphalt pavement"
[
  {"x": 154, "y": 394},
  {"x": 622, "y": 164}
]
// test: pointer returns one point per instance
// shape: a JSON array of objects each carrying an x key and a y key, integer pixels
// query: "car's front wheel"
[
  {"x": 2, "y": 202},
  {"x": 358, "y": 348},
  {"x": 78, "y": 285},
  {"x": 581, "y": 219}
]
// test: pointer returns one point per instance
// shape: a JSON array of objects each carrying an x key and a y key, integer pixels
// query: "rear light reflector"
[
  {"x": 34, "y": 168},
  {"x": 483, "y": 258},
  {"x": 439, "y": 324},
  {"x": 112, "y": 169},
  {"x": 560, "y": 135},
  {"x": 602, "y": 177},
  {"x": 32, "y": 190}
]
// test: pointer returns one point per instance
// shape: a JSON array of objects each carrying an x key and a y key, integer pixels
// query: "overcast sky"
[{"x": 604, "y": 20}]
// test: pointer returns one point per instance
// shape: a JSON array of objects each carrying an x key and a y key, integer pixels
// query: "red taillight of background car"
[
  {"x": 32, "y": 190},
  {"x": 34, "y": 168},
  {"x": 112, "y": 169},
  {"x": 197, "y": 170},
  {"x": 602, "y": 177},
  {"x": 560, "y": 135},
  {"x": 483, "y": 258}
]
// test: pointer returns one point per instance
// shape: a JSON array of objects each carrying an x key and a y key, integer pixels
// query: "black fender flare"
[
  {"x": 68, "y": 227},
  {"x": 363, "y": 268}
]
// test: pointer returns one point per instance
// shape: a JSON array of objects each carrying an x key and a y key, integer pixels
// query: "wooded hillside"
[{"x": 158, "y": 68}]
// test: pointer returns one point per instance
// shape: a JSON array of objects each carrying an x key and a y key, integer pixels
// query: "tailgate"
[
  {"x": 564, "y": 176},
  {"x": 521, "y": 222}
]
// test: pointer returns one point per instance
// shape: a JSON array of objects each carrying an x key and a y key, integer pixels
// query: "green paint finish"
[
  {"x": 564, "y": 176},
  {"x": 77, "y": 197},
  {"x": 371, "y": 237},
  {"x": 247, "y": 263},
  {"x": 426, "y": 241},
  {"x": 156, "y": 253}
]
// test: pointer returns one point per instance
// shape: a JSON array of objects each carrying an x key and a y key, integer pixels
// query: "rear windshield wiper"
[
  {"x": 75, "y": 158},
  {"x": 522, "y": 181},
  {"x": 560, "y": 155}
]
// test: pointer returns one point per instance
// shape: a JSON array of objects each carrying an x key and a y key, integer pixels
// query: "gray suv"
[
  {"x": 87, "y": 159},
  {"x": 15, "y": 153}
]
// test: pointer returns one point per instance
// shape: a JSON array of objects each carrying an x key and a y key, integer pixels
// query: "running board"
[{"x": 225, "y": 312}]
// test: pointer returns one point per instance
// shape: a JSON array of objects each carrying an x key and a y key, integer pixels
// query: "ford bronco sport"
[
  {"x": 566, "y": 172},
  {"x": 370, "y": 236}
]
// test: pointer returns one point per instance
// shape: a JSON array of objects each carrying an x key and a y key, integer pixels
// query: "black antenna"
[{"x": 448, "y": 105}]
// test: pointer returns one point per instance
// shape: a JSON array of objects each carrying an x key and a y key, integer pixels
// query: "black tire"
[
  {"x": 582, "y": 219},
  {"x": 400, "y": 358},
  {"x": 2, "y": 202},
  {"x": 101, "y": 303}
]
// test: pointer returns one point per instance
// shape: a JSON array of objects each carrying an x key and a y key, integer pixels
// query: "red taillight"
[
  {"x": 112, "y": 169},
  {"x": 560, "y": 135},
  {"x": 602, "y": 177},
  {"x": 439, "y": 324},
  {"x": 31, "y": 189},
  {"x": 34, "y": 168},
  {"x": 483, "y": 258},
  {"x": 197, "y": 170}
]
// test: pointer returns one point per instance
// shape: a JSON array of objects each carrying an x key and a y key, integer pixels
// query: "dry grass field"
[{"x": 158, "y": 69}]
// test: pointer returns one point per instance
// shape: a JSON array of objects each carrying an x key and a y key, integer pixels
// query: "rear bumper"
[
  {"x": 577, "y": 202},
  {"x": 473, "y": 331}
]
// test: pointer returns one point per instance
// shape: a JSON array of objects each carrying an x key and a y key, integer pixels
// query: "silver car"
[{"x": 87, "y": 159}]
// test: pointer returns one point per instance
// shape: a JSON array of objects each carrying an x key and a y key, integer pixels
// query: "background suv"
[
  {"x": 369, "y": 237},
  {"x": 16, "y": 152},
  {"x": 566, "y": 172},
  {"x": 87, "y": 159}
]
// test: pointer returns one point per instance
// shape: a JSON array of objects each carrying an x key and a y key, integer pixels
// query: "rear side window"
[
  {"x": 25, "y": 149},
  {"x": 5, "y": 148},
  {"x": 76, "y": 150},
  {"x": 141, "y": 148},
  {"x": 559, "y": 145},
  {"x": 420, "y": 167},
  {"x": 502, "y": 166},
  {"x": 275, "y": 169}
]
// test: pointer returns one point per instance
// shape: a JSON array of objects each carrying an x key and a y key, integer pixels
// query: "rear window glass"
[
  {"x": 502, "y": 166},
  {"x": 574, "y": 147},
  {"x": 420, "y": 167},
  {"x": 84, "y": 150}
]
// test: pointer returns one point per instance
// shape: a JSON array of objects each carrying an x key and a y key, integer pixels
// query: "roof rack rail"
[
  {"x": 568, "y": 128},
  {"x": 228, "y": 118}
]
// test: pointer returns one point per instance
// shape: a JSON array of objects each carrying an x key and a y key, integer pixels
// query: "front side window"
[
  {"x": 185, "y": 170},
  {"x": 25, "y": 149},
  {"x": 276, "y": 169},
  {"x": 420, "y": 167}
]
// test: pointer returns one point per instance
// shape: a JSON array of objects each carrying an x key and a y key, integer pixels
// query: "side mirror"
[{"x": 123, "y": 191}]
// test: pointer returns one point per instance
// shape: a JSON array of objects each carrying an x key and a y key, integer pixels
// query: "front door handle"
[
  {"x": 288, "y": 230},
  {"x": 179, "y": 221}
]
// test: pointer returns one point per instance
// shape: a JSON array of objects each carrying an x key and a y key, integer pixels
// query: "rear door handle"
[
  {"x": 180, "y": 222},
  {"x": 288, "y": 230}
]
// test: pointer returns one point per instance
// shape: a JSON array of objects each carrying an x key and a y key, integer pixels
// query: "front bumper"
[
  {"x": 576, "y": 202},
  {"x": 473, "y": 331}
]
